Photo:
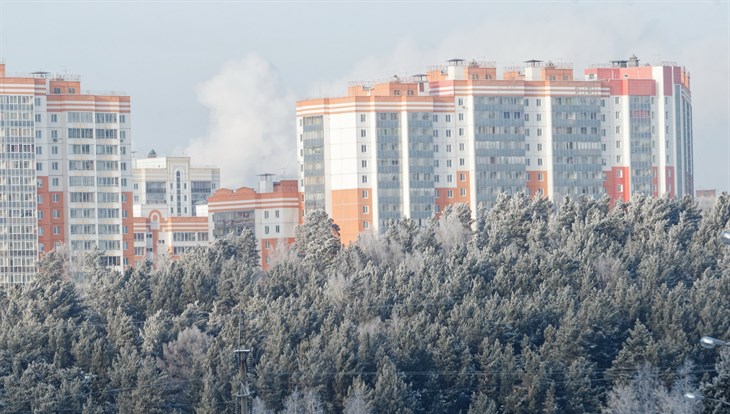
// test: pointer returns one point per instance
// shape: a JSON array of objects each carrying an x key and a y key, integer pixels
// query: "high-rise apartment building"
[
  {"x": 170, "y": 205},
  {"x": 459, "y": 134},
  {"x": 65, "y": 168},
  {"x": 18, "y": 223}
]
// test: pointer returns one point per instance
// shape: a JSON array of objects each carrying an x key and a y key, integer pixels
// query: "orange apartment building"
[
  {"x": 272, "y": 212},
  {"x": 408, "y": 147},
  {"x": 65, "y": 172}
]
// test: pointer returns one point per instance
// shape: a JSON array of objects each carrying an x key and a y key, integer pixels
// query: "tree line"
[{"x": 532, "y": 307}]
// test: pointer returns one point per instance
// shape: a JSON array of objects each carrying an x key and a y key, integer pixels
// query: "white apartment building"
[
  {"x": 170, "y": 205},
  {"x": 409, "y": 147},
  {"x": 172, "y": 185},
  {"x": 77, "y": 145}
]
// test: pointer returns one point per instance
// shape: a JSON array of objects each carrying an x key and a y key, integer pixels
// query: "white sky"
[{"x": 219, "y": 80}]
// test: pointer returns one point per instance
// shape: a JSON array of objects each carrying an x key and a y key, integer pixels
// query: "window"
[
  {"x": 461, "y": 132},
  {"x": 54, "y": 117},
  {"x": 363, "y": 133},
  {"x": 54, "y": 197},
  {"x": 364, "y": 179},
  {"x": 266, "y": 229},
  {"x": 56, "y": 231},
  {"x": 365, "y": 194},
  {"x": 461, "y": 117},
  {"x": 448, "y": 118},
  {"x": 364, "y": 163},
  {"x": 363, "y": 148},
  {"x": 620, "y": 188},
  {"x": 538, "y": 102},
  {"x": 539, "y": 177},
  {"x": 463, "y": 192},
  {"x": 539, "y": 161},
  {"x": 276, "y": 213},
  {"x": 619, "y": 173},
  {"x": 448, "y": 148},
  {"x": 539, "y": 147},
  {"x": 55, "y": 214},
  {"x": 266, "y": 214},
  {"x": 450, "y": 193},
  {"x": 365, "y": 210},
  {"x": 462, "y": 177},
  {"x": 362, "y": 118},
  {"x": 539, "y": 132}
]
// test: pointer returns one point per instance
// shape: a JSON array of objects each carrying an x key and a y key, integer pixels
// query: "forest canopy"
[{"x": 531, "y": 307}]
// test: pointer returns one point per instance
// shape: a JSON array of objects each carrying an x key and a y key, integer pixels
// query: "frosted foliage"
[
  {"x": 582, "y": 307},
  {"x": 302, "y": 403}
]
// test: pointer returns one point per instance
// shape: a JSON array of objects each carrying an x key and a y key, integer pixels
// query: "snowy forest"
[{"x": 531, "y": 308}]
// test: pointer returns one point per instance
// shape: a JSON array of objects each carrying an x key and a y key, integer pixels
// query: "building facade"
[
  {"x": 172, "y": 185},
  {"x": 272, "y": 213},
  {"x": 157, "y": 234},
  {"x": 74, "y": 148},
  {"x": 409, "y": 147},
  {"x": 170, "y": 205}
]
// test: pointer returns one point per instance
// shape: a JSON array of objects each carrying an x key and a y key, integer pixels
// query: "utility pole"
[{"x": 244, "y": 403}]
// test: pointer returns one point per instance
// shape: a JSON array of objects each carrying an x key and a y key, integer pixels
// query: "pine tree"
[
  {"x": 317, "y": 240},
  {"x": 391, "y": 392}
]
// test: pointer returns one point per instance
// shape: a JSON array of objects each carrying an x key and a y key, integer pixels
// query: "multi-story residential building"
[
  {"x": 272, "y": 213},
  {"x": 172, "y": 185},
  {"x": 408, "y": 147},
  {"x": 174, "y": 236},
  {"x": 170, "y": 205},
  {"x": 73, "y": 148},
  {"x": 18, "y": 223}
]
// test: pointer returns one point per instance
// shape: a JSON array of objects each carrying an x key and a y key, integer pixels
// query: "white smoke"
[{"x": 251, "y": 128}]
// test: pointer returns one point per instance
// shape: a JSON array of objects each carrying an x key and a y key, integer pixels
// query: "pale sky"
[{"x": 219, "y": 80}]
